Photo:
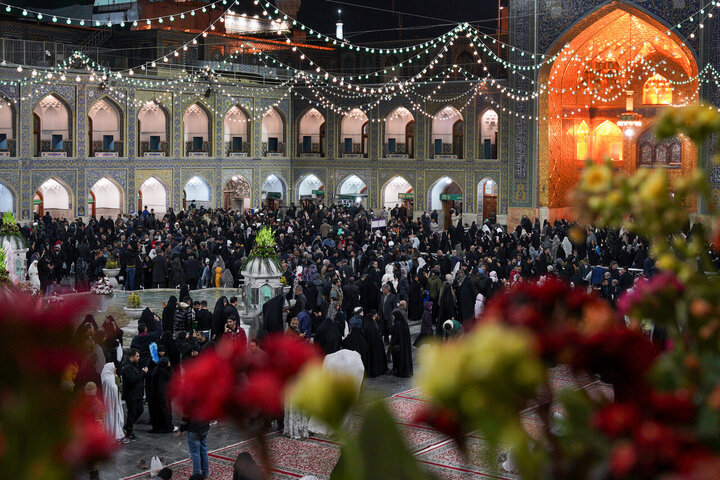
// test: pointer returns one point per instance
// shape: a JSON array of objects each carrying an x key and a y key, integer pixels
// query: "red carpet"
[{"x": 317, "y": 456}]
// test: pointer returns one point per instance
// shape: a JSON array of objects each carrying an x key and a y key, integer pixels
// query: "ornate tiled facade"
[
  {"x": 523, "y": 169},
  {"x": 24, "y": 173}
]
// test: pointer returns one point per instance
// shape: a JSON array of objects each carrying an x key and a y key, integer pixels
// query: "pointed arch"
[
  {"x": 153, "y": 130},
  {"x": 197, "y": 190},
  {"x": 237, "y": 193},
  {"x": 155, "y": 194},
  {"x": 8, "y": 198},
  {"x": 8, "y": 126},
  {"x": 311, "y": 132},
  {"x": 392, "y": 189},
  {"x": 447, "y": 132},
  {"x": 53, "y": 116},
  {"x": 614, "y": 34},
  {"x": 399, "y": 133},
  {"x": 197, "y": 130},
  {"x": 273, "y": 132},
  {"x": 56, "y": 198},
  {"x": 108, "y": 197},
  {"x": 487, "y": 198},
  {"x": 489, "y": 125},
  {"x": 607, "y": 141},
  {"x": 306, "y": 184},
  {"x": 105, "y": 127},
  {"x": 353, "y": 133},
  {"x": 237, "y": 131},
  {"x": 657, "y": 90}
]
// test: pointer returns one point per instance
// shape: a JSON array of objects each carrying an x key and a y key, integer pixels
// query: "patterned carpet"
[{"x": 318, "y": 456}]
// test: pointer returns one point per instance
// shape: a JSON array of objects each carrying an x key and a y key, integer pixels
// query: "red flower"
[
  {"x": 233, "y": 352},
  {"x": 287, "y": 355},
  {"x": 673, "y": 407},
  {"x": 90, "y": 441},
  {"x": 616, "y": 419},
  {"x": 657, "y": 440},
  {"x": 262, "y": 393},
  {"x": 204, "y": 387},
  {"x": 622, "y": 357},
  {"x": 623, "y": 459},
  {"x": 443, "y": 420}
]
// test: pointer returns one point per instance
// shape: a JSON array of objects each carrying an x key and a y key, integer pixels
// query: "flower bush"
[
  {"x": 134, "y": 300},
  {"x": 9, "y": 227},
  {"x": 111, "y": 263},
  {"x": 662, "y": 420},
  {"x": 46, "y": 432},
  {"x": 102, "y": 287},
  {"x": 248, "y": 387},
  {"x": 264, "y": 246}
]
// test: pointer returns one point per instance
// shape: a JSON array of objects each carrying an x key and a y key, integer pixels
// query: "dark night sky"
[
  {"x": 322, "y": 15},
  {"x": 418, "y": 18}
]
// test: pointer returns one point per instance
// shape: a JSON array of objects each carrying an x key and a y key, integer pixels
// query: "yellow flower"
[
  {"x": 596, "y": 178},
  {"x": 325, "y": 395},
  {"x": 655, "y": 186}
]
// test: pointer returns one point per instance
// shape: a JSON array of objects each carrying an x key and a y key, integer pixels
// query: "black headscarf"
[
  {"x": 272, "y": 315},
  {"x": 355, "y": 341},
  {"x": 401, "y": 346},
  {"x": 159, "y": 403},
  {"x": 245, "y": 468},
  {"x": 147, "y": 318},
  {"x": 171, "y": 349},
  {"x": 185, "y": 293},
  {"x": 328, "y": 337},
  {"x": 377, "y": 357},
  {"x": 168, "y": 315},
  {"x": 218, "y": 323}
]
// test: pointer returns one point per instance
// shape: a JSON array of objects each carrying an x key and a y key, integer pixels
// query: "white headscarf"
[
  {"x": 111, "y": 398},
  {"x": 479, "y": 304}
]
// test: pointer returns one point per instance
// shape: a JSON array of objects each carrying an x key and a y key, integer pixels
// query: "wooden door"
[
  {"x": 137, "y": 138},
  {"x": 322, "y": 140},
  {"x": 93, "y": 208},
  {"x": 40, "y": 208},
  {"x": 410, "y": 138},
  {"x": 489, "y": 206},
  {"x": 458, "y": 138},
  {"x": 37, "y": 128},
  {"x": 140, "y": 205},
  {"x": 92, "y": 145}
]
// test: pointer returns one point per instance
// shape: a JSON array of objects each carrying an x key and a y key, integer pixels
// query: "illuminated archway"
[
  {"x": 107, "y": 197},
  {"x": 353, "y": 133},
  {"x": 153, "y": 130},
  {"x": 273, "y": 132},
  {"x": 311, "y": 133},
  {"x": 237, "y": 193},
  {"x": 394, "y": 189},
  {"x": 616, "y": 51},
  {"x": 105, "y": 128},
  {"x": 196, "y": 131},
  {"x": 236, "y": 132}
]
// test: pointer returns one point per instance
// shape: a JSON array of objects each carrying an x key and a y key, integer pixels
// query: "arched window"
[
  {"x": 196, "y": 130},
  {"x": 353, "y": 132},
  {"x": 607, "y": 142},
  {"x": 104, "y": 122},
  {"x": 7, "y": 128},
  {"x": 273, "y": 132},
  {"x": 400, "y": 133},
  {"x": 153, "y": 131},
  {"x": 447, "y": 132},
  {"x": 657, "y": 91},
  {"x": 237, "y": 132},
  {"x": 488, "y": 134},
  {"x": 52, "y": 127},
  {"x": 581, "y": 141},
  {"x": 311, "y": 133}
]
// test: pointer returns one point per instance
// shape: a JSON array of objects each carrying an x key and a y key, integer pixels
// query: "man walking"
[
  {"x": 197, "y": 445},
  {"x": 132, "y": 376}
]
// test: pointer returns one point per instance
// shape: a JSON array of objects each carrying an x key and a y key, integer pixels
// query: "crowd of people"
[{"x": 351, "y": 287}]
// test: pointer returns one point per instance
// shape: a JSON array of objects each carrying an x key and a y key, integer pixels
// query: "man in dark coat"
[
  {"x": 401, "y": 347},
  {"x": 132, "y": 382},
  {"x": 160, "y": 271},
  {"x": 193, "y": 271},
  {"x": 203, "y": 317}
]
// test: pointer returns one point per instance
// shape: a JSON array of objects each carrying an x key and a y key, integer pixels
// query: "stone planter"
[
  {"x": 134, "y": 313},
  {"x": 111, "y": 274},
  {"x": 103, "y": 302}
]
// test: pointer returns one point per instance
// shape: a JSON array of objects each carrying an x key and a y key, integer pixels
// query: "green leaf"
[{"x": 378, "y": 451}]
